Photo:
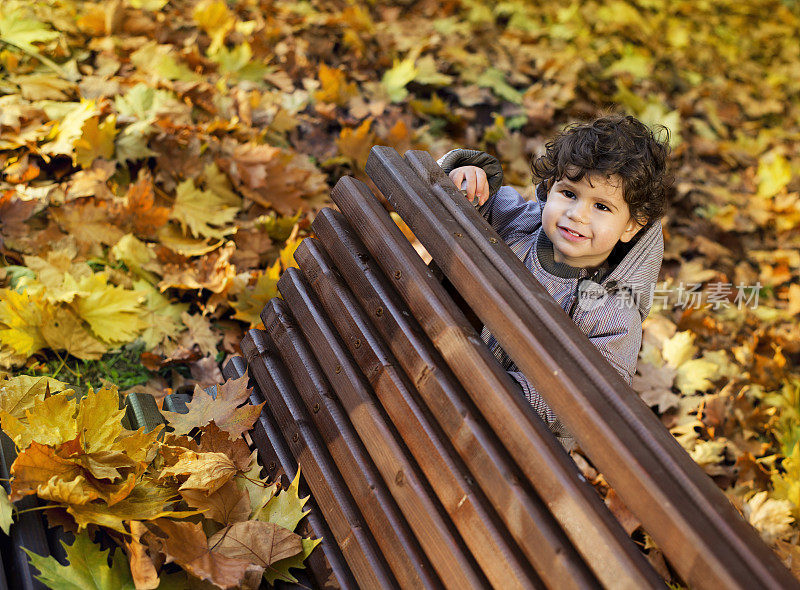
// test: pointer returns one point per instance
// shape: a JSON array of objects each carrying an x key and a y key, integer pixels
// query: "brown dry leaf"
[
  {"x": 206, "y": 372},
  {"x": 89, "y": 221},
  {"x": 262, "y": 543},
  {"x": 144, "y": 573},
  {"x": 200, "y": 333},
  {"x": 625, "y": 517},
  {"x": 212, "y": 271},
  {"x": 274, "y": 178},
  {"x": 140, "y": 212},
  {"x": 63, "y": 330},
  {"x": 226, "y": 505},
  {"x": 186, "y": 544},
  {"x": 215, "y": 440},
  {"x": 207, "y": 471},
  {"x": 223, "y": 410},
  {"x": 654, "y": 386},
  {"x": 13, "y": 213}
]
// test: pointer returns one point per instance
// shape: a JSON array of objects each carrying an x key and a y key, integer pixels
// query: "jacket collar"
[{"x": 544, "y": 250}]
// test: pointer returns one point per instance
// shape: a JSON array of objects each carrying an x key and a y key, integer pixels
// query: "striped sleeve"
[{"x": 510, "y": 214}]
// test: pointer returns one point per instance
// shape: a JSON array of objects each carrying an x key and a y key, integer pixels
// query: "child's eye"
[
  {"x": 604, "y": 208},
  {"x": 568, "y": 194}
]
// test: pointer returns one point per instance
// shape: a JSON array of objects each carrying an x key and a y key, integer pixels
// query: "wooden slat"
[
  {"x": 494, "y": 470},
  {"x": 540, "y": 458},
  {"x": 688, "y": 516},
  {"x": 392, "y": 535},
  {"x": 421, "y": 510},
  {"x": 27, "y": 531},
  {"x": 273, "y": 452},
  {"x": 478, "y": 524},
  {"x": 326, "y": 563},
  {"x": 309, "y": 449}
]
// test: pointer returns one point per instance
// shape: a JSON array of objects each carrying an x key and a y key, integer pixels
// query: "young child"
[{"x": 592, "y": 237}]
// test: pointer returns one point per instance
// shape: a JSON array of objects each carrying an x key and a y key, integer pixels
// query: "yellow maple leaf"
[
  {"x": 204, "y": 212},
  {"x": 695, "y": 375},
  {"x": 76, "y": 491},
  {"x": 356, "y": 143},
  {"x": 334, "y": 85},
  {"x": 50, "y": 421},
  {"x": 20, "y": 393},
  {"x": 21, "y": 320},
  {"x": 99, "y": 419},
  {"x": 774, "y": 173},
  {"x": 138, "y": 256},
  {"x": 112, "y": 312},
  {"x": 679, "y": 348},
  {"x": 69, "y": 118},
  {"x": 249, "y": 303},
  {"x": 96, "y": 141},
  {"x": 215, "y": 19}
]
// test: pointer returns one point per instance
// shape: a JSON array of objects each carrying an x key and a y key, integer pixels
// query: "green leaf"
[
  {"x": 395, "y": 80},
  {"x": 23, "y": 32},
  {"x": 6, "y": 508},
  {"x": 286, "y": 508},
  {"x": 280, "y": 569},
  {"x": 495, "y": 80},
  {"x": 87, "y": 570}
]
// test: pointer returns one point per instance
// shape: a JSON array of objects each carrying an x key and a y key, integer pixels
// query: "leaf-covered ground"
[{"x": 159, "y": 161}]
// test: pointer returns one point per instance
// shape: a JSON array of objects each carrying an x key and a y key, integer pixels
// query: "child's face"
[{"x": 593, "y": 207}]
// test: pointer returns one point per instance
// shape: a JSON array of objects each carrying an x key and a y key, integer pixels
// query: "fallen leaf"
[
  {"x": 223, "y": 410},
  {"x": 261, "y": 543},
  {"x": 87, "y": 568}
]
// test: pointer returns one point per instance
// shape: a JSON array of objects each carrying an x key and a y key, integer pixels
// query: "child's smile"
[{"x": 585, "y": 219}]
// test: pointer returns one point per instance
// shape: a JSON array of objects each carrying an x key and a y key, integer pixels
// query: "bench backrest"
[{"x": 426, "y": 464}]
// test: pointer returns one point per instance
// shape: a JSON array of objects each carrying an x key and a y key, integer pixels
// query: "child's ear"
[{"x": 631, "y": 229}]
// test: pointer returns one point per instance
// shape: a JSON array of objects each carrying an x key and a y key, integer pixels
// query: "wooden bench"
[{"x": 427, "y": 466}]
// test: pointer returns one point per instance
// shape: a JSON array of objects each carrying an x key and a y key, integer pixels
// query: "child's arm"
[{"x": 504, "y": 208}]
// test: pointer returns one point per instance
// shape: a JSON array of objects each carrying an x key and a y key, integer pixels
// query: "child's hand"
[{"x": 477, "y": 184}]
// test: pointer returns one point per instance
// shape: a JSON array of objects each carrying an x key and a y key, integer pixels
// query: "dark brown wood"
[
  {"x": 392, "y": 533},
  {"x": 27, "y": 531},
  {"x": 328, "y": 488},
  {"x": 477, "y": 522},
  {"x": 688, "y": 516},
  {"x": 421, "y": 509},
  {"x": 326, "y": 564},
  {"x": 541, "y": 463},
  {"x": 493, "y": 469}
]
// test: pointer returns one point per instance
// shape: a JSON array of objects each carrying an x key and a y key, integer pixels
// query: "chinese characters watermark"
[{"x": 715, "y": 296}]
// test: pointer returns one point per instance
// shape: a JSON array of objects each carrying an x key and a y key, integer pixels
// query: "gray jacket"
[{"x": 608, "y": 305}]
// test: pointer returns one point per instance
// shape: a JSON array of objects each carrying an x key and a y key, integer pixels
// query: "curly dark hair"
[{"x": 612, "y": 144}]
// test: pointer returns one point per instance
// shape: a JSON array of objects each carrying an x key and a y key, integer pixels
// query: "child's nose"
[{"x": 579, "y": 211}]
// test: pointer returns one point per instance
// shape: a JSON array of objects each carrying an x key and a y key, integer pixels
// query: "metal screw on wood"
[
  {"x": 295, "y": 437},
  {"x": 398, "y": 274},
  {"x": 379, "y": 312},
  {"x": 316, "y": 408},
  {"x": 457, "y": 234},
  {"x": 338, "y": 368},
  {"x": 493, "y": 240},
  {"x": 357, "y": 344}
]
